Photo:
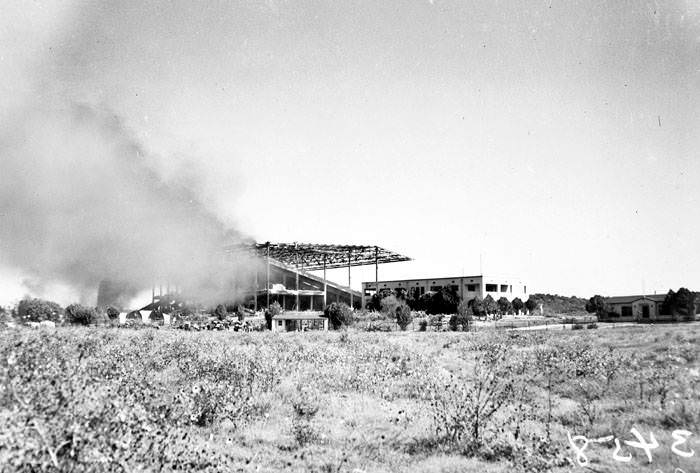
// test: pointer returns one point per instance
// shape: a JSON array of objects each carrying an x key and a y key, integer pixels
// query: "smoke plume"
[{"x": 81, "y": 202}]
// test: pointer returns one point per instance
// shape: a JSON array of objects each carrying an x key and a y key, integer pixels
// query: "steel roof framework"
[{"x": 312, "y": 256}]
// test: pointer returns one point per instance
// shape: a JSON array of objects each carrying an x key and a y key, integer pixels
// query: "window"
[
  {"x": 279, "y": 323},
  {"x": 491, "y": 287},
  {"x": 504, "y": 287},
  {"x": 524, "y": 289},
  {"x": 435, "y": 288},
  {"x": 510, "y": 288},
  {"x": 454, "y": 288},
  {"x": 627, "y": 311},
  {"x": 471, "y": 287}
]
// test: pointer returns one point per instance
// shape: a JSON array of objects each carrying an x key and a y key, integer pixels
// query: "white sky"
[{"x": 558, "y": 140}]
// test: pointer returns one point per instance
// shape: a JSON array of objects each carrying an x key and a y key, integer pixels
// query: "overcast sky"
[{"x": 557, "y": 141}]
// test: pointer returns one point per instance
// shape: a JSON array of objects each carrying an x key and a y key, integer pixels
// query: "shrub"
[
  {"x": 389, "y": 305},
  {"x": 577, "y": 327},
  {"x": 504, "y": 306},
  {"x": 112, "y": 313},
  {"x": 477, "y": 307},
  {"x": 81, "y": 315},
  {"x": 459, "y": 322},
  {"x": 531, "y": 304},
  {"x": 462, "y": 318},
  {"x": 274, "y": 309},
  {"x": 338, "y": 314},
  {"x": 465, "y": 415},
  {"x": 423, "y": 325},
  {"x": 596, "y": 305},
  {"x": 240, "y": 313},
  {"x": 403, "y": 316},
  {"x": 517, "y": 304},
  {"x": 444, "y": 301},
  {"x": 220, "y": 312},
  {"x": 38, "y": 310}
]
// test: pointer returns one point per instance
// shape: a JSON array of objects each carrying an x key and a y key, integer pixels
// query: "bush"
[
  {"x": 577, "y": 327},
  {"x": 423, "y": 325},
  {"x": 81, "y": 315},
  {"x": 240, "y": 313},
  {"x": 112, "y": 313},
  {"x": 390, "y": 304},
  {"x": 220, "y": 312},
  {"x": 338, "y": 314},
  {"x": 444, "y": 301},
  {"x": 459, "y": 322},
  {"x": 403, "y": 316},
  {"x": 517, "y": 305},
  {"x": 274, "y": 309},
  {"x": 476, "y": 306},
  {"x": 531, "y": 305},
  {"x": 504, "y": 306},
  {"x": 38, "y": 310},
  {"x": 490, "y": 305}
]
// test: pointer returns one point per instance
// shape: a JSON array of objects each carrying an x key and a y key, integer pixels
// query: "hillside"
[{"x": 556, "y": 304}]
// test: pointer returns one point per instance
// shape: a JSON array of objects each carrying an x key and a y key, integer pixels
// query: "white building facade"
[{"x": 468, "y": 287}]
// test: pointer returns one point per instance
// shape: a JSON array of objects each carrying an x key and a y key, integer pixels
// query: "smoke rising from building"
[{"x": 81, "y": 201}]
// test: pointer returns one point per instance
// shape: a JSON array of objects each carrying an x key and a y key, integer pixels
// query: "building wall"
[
  {"x": 633, "y": 311},
  {"x": 468, "y": 287}
]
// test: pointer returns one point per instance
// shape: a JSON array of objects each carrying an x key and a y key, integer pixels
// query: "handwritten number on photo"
[{"x": 681, "y": 437}]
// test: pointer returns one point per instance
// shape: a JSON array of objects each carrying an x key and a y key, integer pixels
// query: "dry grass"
[{"x": 124, "y": 400}]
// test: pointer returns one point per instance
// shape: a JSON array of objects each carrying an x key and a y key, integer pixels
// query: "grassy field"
[{"x": 100, "y": 399}]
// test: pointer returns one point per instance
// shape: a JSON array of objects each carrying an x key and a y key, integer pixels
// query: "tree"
[
  {"x": 530, "y": 304},
  {"x": 81, "y": 315},
  {"x": 680, "y": 304},
  {"x": 38, "y": 310},
  {"x": 375, "y": 303},
  {"x": 462, "y": 317},
  {"x": 517, "y": 305},
  {"x": 274, "y": 309},
  {"x": 338, "y": 314},
  {"x": 477, "y": 307},
  {"x": 444, "y": 301},
  {"x": 403, "y": 316},
  {"x": 220, "y": 312},
  {"x": 240, "y": 313},
  {"x": 112, "y": 313},
  {"x": 490, "y": 306},
  {"x": 389, "y": 305},
  {"x": 504, "y": 306},
  {"x": 414, "y": 299},
  {"x": 597, "y": 305}
]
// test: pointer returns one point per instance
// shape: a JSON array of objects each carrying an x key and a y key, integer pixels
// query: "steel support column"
[
  {"x": 349, "y": 280},
  {"x": 267, "y": 285},
  {"x": 325, "y": 284}
]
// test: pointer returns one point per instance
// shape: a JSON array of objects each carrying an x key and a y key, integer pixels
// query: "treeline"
[{"x": 448, "y": 301}]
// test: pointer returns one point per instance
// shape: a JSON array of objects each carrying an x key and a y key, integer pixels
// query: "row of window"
[{"x": 454, "y": 287}]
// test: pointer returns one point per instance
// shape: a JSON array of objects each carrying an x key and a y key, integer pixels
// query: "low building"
[
  {"x": 639, "y": 309},
  {"x": 299, "y": 321},
  {"x": 467, "y": 287}
]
